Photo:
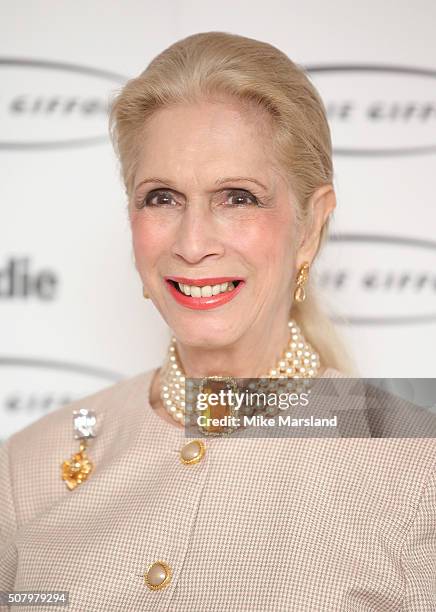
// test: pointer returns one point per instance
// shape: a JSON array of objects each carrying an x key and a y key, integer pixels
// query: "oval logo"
[
  {"x": 31, "y": 388},
  {"x": 378, "y": 110},
  {"x": 51, "y": 104},
  {"x": 382, "y": 280}
]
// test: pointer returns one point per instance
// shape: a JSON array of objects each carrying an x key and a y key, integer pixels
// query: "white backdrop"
[{"x": 72, "y": 316}]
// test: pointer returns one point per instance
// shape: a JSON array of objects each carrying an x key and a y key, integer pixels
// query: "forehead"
[{"x": 220, "y": 135}]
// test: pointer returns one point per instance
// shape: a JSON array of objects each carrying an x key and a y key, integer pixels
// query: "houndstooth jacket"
[{"x": 262, "y": 524}]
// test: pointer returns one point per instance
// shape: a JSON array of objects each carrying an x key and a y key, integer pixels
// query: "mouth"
[
  {"x": 202, "y": 294},
  {"x": 205, "y": 290}
]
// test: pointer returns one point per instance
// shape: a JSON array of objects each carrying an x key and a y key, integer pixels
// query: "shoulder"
[
  {"x": 381, "y": 431},
  {"x": 55, "y": 427},
  {"x": 31, "y": 458},
  {"x": 387, "y": 414}
]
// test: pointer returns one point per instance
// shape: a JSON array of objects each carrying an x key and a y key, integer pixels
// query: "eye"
[
  {"x": 158, "y": 197},
  {"x": 241, "y": 197}
]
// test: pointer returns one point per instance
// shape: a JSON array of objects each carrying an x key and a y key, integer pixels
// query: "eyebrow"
[{"x": 219, "y": 181}]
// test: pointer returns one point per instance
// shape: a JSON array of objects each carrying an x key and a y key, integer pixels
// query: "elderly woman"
[{"x": 226, "y": 159}]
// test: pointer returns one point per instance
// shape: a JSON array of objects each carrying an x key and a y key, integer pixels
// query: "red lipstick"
[{"x": 203, "y": 303}]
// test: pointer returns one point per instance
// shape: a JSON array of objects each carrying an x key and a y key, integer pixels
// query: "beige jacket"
[{"x": 267, "y": 524}]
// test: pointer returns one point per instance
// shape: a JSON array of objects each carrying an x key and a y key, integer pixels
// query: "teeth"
[{"x": 206, "y": 291}]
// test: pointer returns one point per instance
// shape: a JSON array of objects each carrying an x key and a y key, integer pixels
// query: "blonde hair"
[{"x": 210, "y": 63}]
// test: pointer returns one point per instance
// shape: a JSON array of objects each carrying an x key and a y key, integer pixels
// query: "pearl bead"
[{"x": 298, "y": 361}]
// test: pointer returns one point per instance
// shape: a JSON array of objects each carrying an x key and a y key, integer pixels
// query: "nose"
[{"x": 197, "y": 236}]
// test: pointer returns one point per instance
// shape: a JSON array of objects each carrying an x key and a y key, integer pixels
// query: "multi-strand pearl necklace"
[{"x": 299, "y": 360}]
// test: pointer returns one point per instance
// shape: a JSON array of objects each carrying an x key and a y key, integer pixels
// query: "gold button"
[
  {"x": 192, "y": 452},
  {"x": 158, "y": 575}
]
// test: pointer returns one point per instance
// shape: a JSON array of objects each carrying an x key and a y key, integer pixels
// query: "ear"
[{"x": 320, "y": 206}]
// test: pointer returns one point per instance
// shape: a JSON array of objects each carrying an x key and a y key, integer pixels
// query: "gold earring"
[
  {"x": 145, "y": 294},
  {"x": 303, "y": 275}
]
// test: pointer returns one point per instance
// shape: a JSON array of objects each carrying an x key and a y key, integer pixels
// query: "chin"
[{"x": 205, "y": 335}]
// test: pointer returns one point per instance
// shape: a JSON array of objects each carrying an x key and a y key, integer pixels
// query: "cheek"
[
  {"x": 271, "y": 240},
  {"x": 148, "y": 239}
]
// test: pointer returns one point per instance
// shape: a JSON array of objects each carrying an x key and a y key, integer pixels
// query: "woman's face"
[{"x": 210, "y": 203}]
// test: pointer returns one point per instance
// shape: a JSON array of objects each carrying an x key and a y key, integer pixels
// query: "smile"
[{"x": 203, "y": 294}]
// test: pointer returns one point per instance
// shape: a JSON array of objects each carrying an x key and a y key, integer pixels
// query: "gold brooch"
[{"x": 77, "y": 469}]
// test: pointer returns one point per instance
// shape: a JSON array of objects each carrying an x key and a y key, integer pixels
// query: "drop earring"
[
  {"x": 303, "y": 275},
  {"x": 147, "y": 297}
]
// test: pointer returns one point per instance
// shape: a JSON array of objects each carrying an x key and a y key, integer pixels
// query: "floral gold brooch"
[{"x": 78, "y": 468}]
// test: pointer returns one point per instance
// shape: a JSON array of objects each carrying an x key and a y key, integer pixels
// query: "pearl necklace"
[{"x": 299, "y": 360}]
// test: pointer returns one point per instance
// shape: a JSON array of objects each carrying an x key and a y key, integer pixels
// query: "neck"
[{"x": 252, "y": 355}]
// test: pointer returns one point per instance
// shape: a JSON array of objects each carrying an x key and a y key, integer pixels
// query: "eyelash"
[{"x": 145, "y": 202}]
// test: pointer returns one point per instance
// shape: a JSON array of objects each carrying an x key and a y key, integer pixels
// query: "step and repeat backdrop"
[{"x": 72, "y": 316}]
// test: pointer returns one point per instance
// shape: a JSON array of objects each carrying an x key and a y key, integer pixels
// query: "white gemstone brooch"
[{"x": 78, "y": 468}]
